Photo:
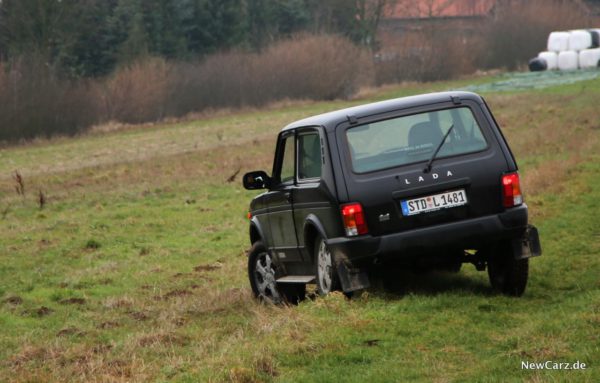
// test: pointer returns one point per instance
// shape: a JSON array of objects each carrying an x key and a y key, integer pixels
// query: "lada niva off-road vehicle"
[{"x": 423, "y": 180}]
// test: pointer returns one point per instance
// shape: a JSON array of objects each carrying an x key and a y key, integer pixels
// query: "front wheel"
[
  {"x": 325, "y": 271},
  {"x": 507, "y": 274},
  {"x": 263, "y": 275}
]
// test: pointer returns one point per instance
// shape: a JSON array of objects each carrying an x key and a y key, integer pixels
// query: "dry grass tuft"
[
  {"x": 165, "y": 338},
  {"x": 550, "y": 176},
  {"x": 30, "y": 354},
  {"x": 139, "y": 316},
  {"x": 177, "y": 293},
  {"x": 266, "y": 365},
  {"x": 113, "y": 303},
  {"x": 19, "y": 183},
  {"x": 70, "y": 331},
  {"x": 108, "y": 325}
]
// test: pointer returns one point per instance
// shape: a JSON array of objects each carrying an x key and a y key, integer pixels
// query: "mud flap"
[
  {"x": 352, "y": 278},
  {"x": 529, "y": 245}
]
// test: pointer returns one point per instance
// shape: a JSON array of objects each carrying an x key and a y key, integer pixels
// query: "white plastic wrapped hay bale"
[
  {"x": 551, "y": 59},
  {"x": 568, "y": 60},
  {"x": 580, "y": 40},
  {"x": 589, "y": 58},
  {"x": 558, "y": 41},
  {"x": 595, "y": 38}
]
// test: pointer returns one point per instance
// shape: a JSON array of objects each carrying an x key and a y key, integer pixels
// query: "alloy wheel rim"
[
  {"x": 264, "y": 277},
  {"x": 324, "y": 268}
]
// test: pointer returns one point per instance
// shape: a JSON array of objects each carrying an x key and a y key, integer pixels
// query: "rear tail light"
[
  {"x": 511, "y": 190},
  {"x": 354, "y": 219}
]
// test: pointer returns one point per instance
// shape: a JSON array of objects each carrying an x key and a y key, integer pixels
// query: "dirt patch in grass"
[
  {"x": 205, "y": 268},
  {"x": 44, "y": 242},
  {"x": 73, "y": 301},
  {"x": 139, "y": 316},
  {"x": 371, "y": 342},
  {"x": 180, "y": 275},
  {"x": 179, "y": 322},
  {"x": 108, "y": 325},
  {"x": 43, "y": 311},
  {"x": 14, "y": 300},
  {"x": 68, "y": 331},
  {"x": 101, "y": 348}
]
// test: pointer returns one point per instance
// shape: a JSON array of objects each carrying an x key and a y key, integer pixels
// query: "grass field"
[{"x": 135, "y": 267}]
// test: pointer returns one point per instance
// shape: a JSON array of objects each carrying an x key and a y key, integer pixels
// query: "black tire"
[
  {"x": 507, "y": 274},
  {"x": 325, "y": 269},
  {"x": 263, "y": 273}
]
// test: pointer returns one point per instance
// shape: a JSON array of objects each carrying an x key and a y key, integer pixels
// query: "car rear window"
[{"x": 409, "y": 139}]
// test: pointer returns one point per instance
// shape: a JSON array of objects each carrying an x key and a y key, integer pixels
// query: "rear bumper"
[{"x": 464, "y": 234}]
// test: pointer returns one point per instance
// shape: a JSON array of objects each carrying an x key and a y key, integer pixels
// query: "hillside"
[{"x": 134, "y": 268}]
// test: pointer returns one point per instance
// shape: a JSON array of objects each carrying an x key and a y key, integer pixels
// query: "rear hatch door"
[{"x": 385, "y": 159}]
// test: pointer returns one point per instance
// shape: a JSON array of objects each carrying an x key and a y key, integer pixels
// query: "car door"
[
  {"x": 284, "y": 242},
  {"x": 312, "y": 196}
]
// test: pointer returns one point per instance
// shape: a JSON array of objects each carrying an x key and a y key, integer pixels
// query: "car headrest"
[{"x": 424, "y": 133}]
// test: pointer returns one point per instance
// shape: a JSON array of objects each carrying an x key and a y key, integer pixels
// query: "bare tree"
[{"x": 368, "y": 15}]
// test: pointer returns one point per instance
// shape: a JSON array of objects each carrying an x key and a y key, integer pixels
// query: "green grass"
[{"x": 135, "y": 269}]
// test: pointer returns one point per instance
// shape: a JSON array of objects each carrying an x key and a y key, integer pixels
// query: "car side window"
[
  {"x": 287, "y": 162},
  {"x": 309, "y": 156}
]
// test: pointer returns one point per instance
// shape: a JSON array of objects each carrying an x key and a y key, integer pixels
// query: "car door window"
[
  {"x": 309, "y": 156},
  {"x": 287, "y": 162}
]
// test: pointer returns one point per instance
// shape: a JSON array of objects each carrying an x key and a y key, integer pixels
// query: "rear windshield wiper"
[{"x": 428, "y": 167}]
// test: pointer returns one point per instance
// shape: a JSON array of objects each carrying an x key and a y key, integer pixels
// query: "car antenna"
[{"x": 428, "y": 166}]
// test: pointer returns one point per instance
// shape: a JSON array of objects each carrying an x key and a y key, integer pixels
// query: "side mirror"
[{"x": 257, "y": 180}]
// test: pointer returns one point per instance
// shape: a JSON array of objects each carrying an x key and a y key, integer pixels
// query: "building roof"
[{"x": 427, "y": 9}]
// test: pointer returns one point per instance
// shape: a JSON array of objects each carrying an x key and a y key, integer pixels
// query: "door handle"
[{"x": 288, "y": 196}]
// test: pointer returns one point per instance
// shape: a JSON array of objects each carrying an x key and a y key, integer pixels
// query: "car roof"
[{"x": 331, "y": 119}]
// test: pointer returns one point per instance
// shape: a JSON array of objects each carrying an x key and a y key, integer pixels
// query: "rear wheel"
[
  {"x": 263, "y": 275},
  {"x": 325, "y": 271},
  {"x": 507, "y": 274}
]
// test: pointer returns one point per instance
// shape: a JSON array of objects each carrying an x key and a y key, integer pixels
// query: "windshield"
[{"x": 413, "y": 138}]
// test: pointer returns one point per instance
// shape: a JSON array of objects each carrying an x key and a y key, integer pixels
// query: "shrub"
[
  {"x": 427, "y": 54},
  {"x": 35, "y": 101},
  {"x": 137, "y": 92},
  {"x": 305, "y": 67}
]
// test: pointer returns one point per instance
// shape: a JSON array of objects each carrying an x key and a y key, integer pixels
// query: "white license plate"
[{"x": 434, "y": 202}]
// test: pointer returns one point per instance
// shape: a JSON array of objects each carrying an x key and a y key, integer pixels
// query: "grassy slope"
[{"x": 135, "y": 269}]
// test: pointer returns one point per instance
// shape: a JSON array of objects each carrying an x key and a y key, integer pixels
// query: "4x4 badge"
[
  {"x": 384, "y": 217},
  {"x": 434, "y": 176}
]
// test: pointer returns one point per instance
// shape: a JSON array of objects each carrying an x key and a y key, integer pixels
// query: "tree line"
[{"x": 90, "y": 38}]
